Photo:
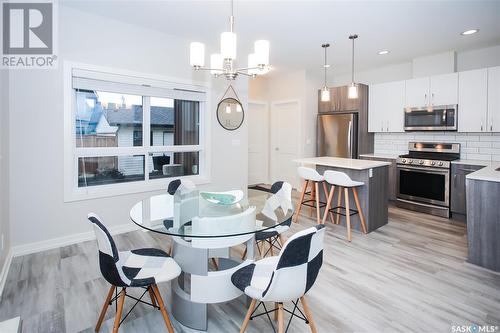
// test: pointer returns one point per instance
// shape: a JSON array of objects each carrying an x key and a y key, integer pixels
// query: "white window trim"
[{"x": 71, "y": 190}]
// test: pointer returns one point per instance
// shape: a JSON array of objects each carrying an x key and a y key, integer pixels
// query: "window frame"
[{"x": 158, "y": 84}]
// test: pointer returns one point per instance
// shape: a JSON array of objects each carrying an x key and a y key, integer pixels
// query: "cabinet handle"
[{"x": 481, "y": 127}]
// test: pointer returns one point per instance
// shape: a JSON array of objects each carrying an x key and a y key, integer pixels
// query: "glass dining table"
[{"x": 204, "y": 230}]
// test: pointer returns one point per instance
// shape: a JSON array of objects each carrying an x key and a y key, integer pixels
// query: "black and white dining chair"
[
  {"x": 284, "y": 278},
  {"x": 143, "y": 268},
  {"x": 281, "y": 198}
]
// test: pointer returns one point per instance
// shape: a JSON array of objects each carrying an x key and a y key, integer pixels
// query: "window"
[{"x": 136, "y": 134}]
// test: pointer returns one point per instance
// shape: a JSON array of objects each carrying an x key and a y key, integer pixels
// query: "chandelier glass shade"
[{"x": 223, "y": 63}]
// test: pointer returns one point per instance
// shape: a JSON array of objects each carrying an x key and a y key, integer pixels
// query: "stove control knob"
[
  {"x": 440, "y": 163},
  {"x": 410, "y": 161},
  {"x": 433, "y": 163},
  {"x": 404, "y": 160},
  {"x": 421, "y": 162}
]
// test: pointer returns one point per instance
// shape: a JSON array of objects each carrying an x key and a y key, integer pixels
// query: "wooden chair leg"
[
  {"x": 358, "y": 207},
  {"x": 119, "y": 310},
  {"x": 152, "y": 296},
  {"x": 105, "y": 308},
  {"x": 328, "y": 204},
  {"x": 244, "y": 254},
  {"x": 299, "y": 204},
  {"x": 276, "y": 307},
  {"x": 281, "y": 321},
  {"x": 282, "y": 240},
  {"x": 271, "y": 247},
  {"x": 339, "y": 201},
  {"x": 162, "y": 308},
  {"x": 318, "y": 212},
  {"x": 247, "y": 316},
  {"x": 308, "y": 314},
  {"x": 347, "y": 214}
]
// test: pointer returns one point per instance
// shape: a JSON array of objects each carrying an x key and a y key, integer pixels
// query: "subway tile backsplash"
[{"x": 473, "y": 146}]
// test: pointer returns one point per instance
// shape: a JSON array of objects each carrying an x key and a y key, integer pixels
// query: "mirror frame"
[{"x": 242, "y": 111}]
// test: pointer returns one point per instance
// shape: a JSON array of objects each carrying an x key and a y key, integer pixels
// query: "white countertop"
[
  {"x": 488, "y": 173},
  {"x": 345, "y": 163},
  {"x": 472, "y": 162},
  {"x": 380, "y": 155}
]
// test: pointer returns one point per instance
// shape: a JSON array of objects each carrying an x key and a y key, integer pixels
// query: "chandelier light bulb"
[
  {"x": 228, "y": 45},
  {"x": 262, "y": 52},
  {"x": 197, "y": 54}
]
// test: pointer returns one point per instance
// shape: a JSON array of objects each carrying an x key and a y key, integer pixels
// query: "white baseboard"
[
  {"x": 21, "y": 250},
  {"x": 5, "y": 271}
]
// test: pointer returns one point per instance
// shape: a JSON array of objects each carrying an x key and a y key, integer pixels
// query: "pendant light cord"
[
  {"x": 231, "y": 18},
  {"x": 325, "y": 46},
  {"x": 325, "y": 66},
  {"x": 352, "y": 37}
]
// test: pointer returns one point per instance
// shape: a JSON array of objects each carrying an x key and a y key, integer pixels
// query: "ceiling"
[{"x": 296, "y": 29}]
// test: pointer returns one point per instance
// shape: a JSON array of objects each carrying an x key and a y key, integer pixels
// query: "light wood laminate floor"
[{"x": 410, "y": 275}]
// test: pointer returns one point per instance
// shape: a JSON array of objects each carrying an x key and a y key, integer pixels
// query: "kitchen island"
[
  {"x": 373, "y": 196},
  {"x": 483, "y": 216}
]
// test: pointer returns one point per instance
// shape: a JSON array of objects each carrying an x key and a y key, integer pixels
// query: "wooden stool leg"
[
  {"x": 339, "y": 201},
  {"x": 299, "y": 204},
  {"x": 313, "y": 196},
  {"x": 152, "y": 296},
  {"x": 318, "y": 212},
  {"x": 308, "y": 314},
  {"x": 282, "y": 240},
  {"x": 361, "y": 215},
  {"x": 119, "y": 310},
  {"x": 247, "y": 316},
  {"x": 281, "y": 321},
  {"x": 328, "y": 204},
  {"x": 214, "y": 262},
  {"x": 105, "y": 308},
  {"x": 347, "y": 214},
  {"x": 162, "y": 308}
]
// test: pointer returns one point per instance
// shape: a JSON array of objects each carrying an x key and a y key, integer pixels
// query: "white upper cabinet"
[
  {"x": 376, "y": 101},
  {"x": 494, "y": 99},
  {"x": 386, "y": 107},
  {"x": 417, "y": 92},
  {"x": 473, "y": 101},
  {"x": 444, "y": 89}
]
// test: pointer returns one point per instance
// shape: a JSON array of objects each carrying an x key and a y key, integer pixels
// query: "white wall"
[
  {"x": 38, "y": 211},
  {"x": 4, "y": 171}
]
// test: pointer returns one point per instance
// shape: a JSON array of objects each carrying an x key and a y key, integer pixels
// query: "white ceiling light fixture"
[
  {"x": 383, "y": 52},
  {"x": 469, "y": 32},
  {"x": 325, "y": 91},
  {"x": 352, "y": 91},
  {"x": 223, "y": 63}
]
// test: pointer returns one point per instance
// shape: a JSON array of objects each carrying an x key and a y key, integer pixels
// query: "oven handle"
[{"x": 424, "y": 169}]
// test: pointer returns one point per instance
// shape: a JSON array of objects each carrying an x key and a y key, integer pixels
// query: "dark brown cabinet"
[
  {"x": 457, "y": 190},
  {"x": 392, "y": 173}
]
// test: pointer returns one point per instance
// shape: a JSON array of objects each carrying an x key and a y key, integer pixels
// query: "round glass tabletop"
[{"x": 196, "y": 213}]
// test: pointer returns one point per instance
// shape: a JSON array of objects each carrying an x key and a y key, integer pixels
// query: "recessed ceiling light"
[
  {"x": 469, "y": 32},
  {"x": 384, "y": 52}
]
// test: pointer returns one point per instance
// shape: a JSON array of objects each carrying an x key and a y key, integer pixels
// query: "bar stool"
[
  {"x": 313, "y": 178},
  {"x": 343, "y": 181}
]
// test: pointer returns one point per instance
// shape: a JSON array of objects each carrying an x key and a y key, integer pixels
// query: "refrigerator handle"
[{"x": 349, "y": 138}]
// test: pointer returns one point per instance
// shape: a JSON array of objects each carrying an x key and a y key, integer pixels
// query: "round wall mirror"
[{"x": 230, "y": 113}]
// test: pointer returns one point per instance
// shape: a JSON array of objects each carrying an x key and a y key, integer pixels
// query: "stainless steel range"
[{"x": 423, "y": 177}]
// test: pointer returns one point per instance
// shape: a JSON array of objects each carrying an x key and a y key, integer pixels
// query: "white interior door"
[
  {"x": 258, "y": 143},
  {"x": 285, "y": 132}
]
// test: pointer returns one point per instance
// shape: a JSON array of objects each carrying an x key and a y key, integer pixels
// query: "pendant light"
[
  {"x": 325, "y": 91},
  {"x": 352, "y": 92}
]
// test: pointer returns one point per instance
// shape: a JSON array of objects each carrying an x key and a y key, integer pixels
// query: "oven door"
[
  {"x": 424, "y": 184},
  {"x": 442, "y": 118}
]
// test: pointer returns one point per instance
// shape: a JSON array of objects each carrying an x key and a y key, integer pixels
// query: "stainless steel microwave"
[{"x": 432, "y": 118}]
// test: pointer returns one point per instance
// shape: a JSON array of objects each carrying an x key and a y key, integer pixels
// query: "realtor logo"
[{"x": 28, "y": 35}]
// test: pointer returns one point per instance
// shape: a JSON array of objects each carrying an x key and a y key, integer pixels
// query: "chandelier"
[{"x": 223, "y": 63}]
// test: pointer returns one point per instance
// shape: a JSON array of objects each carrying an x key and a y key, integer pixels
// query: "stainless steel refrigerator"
[{"x": 337, "y": 135}]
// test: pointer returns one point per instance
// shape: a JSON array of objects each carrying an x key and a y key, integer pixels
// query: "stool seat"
[
  {"x": 338, "y": 178},
  {"x": 310, "y": 174}
]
